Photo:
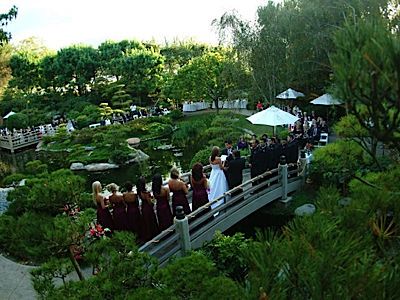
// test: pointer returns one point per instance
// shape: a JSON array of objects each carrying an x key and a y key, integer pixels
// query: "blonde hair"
[
  {"x": 112, "y": 187},
  {"x": 96, "y": 188}
]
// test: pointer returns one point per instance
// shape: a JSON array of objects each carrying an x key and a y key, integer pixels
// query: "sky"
[{"x": 61, "y": 23}]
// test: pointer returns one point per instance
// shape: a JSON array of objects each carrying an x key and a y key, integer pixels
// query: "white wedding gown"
[{"x": 218, "y": 185}]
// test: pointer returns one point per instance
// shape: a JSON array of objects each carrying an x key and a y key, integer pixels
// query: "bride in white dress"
[{"x": 218, "y": 182}]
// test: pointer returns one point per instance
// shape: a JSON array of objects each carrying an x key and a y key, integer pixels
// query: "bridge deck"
[{"x": 203, "y": 224}]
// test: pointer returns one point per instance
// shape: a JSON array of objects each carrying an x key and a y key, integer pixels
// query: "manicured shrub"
[
  {"x": 202, "y": 157},
  {"x": 227, "y": 254}
]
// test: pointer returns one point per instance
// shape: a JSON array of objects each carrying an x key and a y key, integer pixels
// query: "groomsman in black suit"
[
  {"x": 228, "y": 150},
  {"x": 235, "y": 171}
]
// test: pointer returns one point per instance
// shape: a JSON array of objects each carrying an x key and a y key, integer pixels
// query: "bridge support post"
[
  {"x": 182, "y": 228},
  {"x": 283, "y": 171},
  {"x": 10, "y": 141}
]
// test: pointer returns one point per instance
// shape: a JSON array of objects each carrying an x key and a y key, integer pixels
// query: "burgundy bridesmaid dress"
[
  {"x": 104, "y": 217},
  {"x": 179, "y": 199},
  {"x": 133, "y": 217},
  {"x": 164, "y": 214},
  {"x": 150, "y": 227},
  {"x": 119, "y": 215},
  {"x": 199, "y": 196}
]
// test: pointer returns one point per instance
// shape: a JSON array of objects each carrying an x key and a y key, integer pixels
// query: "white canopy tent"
[
  {"x": 273, "y": 116},
  {"x": 326, "y": 99},
  {"x": 9, "y": 114},
  {"x": 290, "y": 94}
]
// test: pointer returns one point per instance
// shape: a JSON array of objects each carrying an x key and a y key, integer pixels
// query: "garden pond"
[{"x": 160, "y": 161}]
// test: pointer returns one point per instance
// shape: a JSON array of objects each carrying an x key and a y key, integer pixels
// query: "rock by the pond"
[
  {"x": 77, "y": 166},
  {"x": 134, "y": 142},
  {"x": 305, "y": 210},
  {"x": 165, "y": 147},
  {"x": 178, "y": 154},
  {"x": 3, "y": 198},
  {"x": 344, "y": 201},
  {"x": 89, "y": 148},
  {"x": 100, "y": 167},
  {"x": 92, "y": 167},
  {"x": 138, "y": 156}
]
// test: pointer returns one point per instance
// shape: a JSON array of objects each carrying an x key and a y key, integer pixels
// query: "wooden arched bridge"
[{"x": 191, "y": 231}]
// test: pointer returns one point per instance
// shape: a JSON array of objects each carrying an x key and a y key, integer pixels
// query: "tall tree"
[
  {"x": 76, "y": 68},
  {"x": 210, "y": 77},
  {"x": 291, "y": 41},
  {"x": 4, "y": 19},
  {"x": 366, "y": 68}
]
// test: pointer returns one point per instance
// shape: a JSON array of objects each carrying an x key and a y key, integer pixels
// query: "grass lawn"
[{"x": 259, "y": 130}]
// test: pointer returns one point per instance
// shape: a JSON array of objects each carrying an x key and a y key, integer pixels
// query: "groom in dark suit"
[
  {"x": 234, "y": 174},
  {"x": 228, "y": 150}
]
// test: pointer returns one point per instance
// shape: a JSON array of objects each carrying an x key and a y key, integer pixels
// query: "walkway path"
[{"x": 15, "y": 281}]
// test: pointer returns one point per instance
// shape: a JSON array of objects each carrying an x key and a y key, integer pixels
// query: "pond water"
[{"x": 161, "y": 161}]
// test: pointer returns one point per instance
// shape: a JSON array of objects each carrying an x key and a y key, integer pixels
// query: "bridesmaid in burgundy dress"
[
  {"x": 161, "y": 193},
  {"x": 179, "y": 191},
  {"x": 133, "y": 216},
  {"x": 103, "y": 214},
  {"x": 119, "y": 208},
  {"x": 199, "y": 185},
  {"x": 150, "y": 226}
]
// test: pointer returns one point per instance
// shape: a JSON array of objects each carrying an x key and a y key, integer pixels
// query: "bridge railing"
[
  {"x": 19, "y": 140},
  {"x": 237, "y": 204}
]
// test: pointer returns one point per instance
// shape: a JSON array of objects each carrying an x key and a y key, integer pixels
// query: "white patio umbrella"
[
  {"x": 9, "y": 114},
  {"x": 273, "y": 116},
  {"x": 326, "y": 99},
  {"x": 290, "y": 94}
]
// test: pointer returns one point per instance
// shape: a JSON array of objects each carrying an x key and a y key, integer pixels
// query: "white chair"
[{"x": 323, "y": 139}]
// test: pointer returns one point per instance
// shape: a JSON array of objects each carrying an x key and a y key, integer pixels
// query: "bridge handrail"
[{"x": 168, "y": 237}]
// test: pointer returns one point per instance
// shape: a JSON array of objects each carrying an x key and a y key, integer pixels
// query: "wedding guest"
[
  {"x": 259, "y": 106},
  {"x": 149, "y": 227},
  {"x": 179, "y": 191},
  {"x": 242, "y": 144},
  {"x": 161, "y": 194},
  {"x": 324, "y": 126},
  {"x": 119, "y": 208},
  {"x": 199, "y": 185},
  {"x": 104, "y": 217},
  {"x": 133, "y": 215}
]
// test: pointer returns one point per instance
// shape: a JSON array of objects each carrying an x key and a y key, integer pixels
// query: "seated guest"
[
  {"x": 119, "y": 209},
  {"x": 199, "y": 184},
  {"x": 133, "y": 215},
  {"x": 324, "y": 126},
  {"x": 298, "y": 129},
  {"x": 314, "y": 132},
  {"x": 149, "y": 227},
  {"x": 242, "y": 144},
  {"x": 179, "y": 191},
  {"x": 104, "y": 217},
  {"x": 161, "y": 194}
]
